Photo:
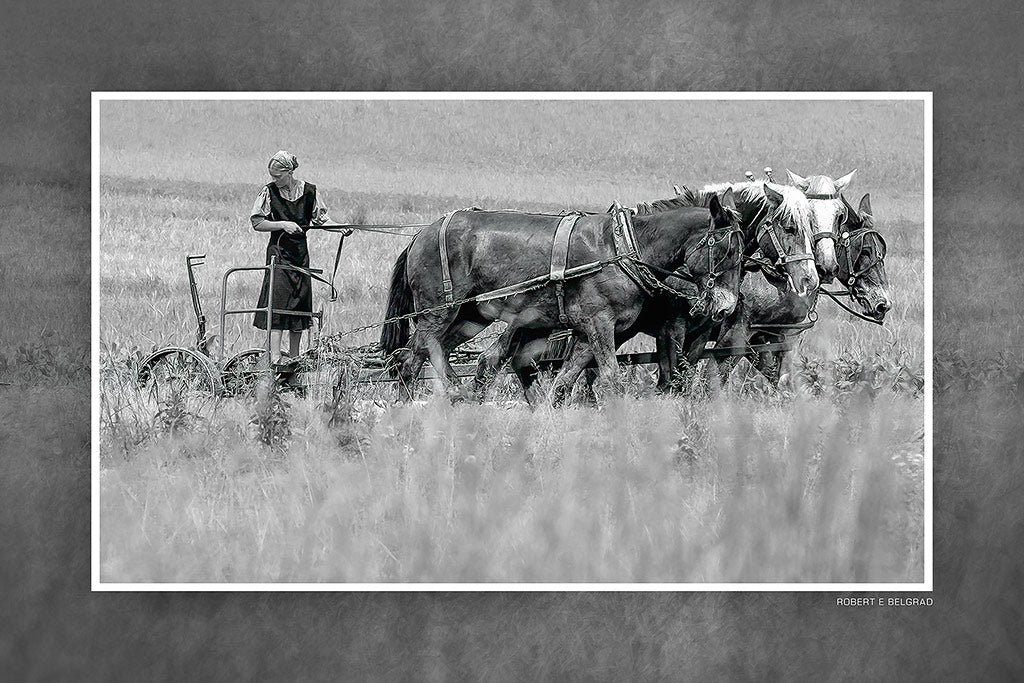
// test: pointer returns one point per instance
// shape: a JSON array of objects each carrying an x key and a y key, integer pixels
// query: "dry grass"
[{"x": 733, "y": 490}]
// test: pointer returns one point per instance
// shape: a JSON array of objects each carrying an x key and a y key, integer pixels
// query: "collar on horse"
[{"x": 643, "y": 274}]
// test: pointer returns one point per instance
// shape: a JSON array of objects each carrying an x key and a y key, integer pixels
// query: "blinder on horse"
[
  {"x": 775, "y": 269},
  {"x": 853, "y": 242}
]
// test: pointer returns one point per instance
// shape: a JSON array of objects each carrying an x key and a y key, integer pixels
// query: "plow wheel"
[
  {"x": 242, "y": 373},
  {"x": 182, "y": 384}
]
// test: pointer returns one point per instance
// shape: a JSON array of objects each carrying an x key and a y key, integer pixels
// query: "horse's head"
[
  {"x": 827, "y": 213},
  {"x": 714, "y": 261},
  {"x": 784, "y": 237},
  {"x": 861, "y": 252}
]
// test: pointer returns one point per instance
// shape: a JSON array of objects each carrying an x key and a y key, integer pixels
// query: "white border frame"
[{"x": 925, "y": 586}]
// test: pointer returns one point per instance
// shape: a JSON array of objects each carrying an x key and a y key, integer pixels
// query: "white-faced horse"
[{"x": 827, "y": 212}]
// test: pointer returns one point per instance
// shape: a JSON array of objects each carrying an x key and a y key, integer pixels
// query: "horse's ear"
[
  {"x": 865, "y": 206},
  {"x": 845, "y": 180},
  {"x": 798, "y": 181},
  {"x": 850, "y": 211},
  {"x": 729, "y": 199},
  {"x": 773, "y": 195},
  {"x": 715, "y": 206}
]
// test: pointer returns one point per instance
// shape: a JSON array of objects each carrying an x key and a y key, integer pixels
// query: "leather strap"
[
  {"x": 625, "y": 240},
  {"x": 560, "y": 258},
  {"x": 560, "y": 245},
  {"x": 442, "y": 245}
]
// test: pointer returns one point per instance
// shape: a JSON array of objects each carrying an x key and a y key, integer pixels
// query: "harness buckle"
[{"x": 560, "y": 295}]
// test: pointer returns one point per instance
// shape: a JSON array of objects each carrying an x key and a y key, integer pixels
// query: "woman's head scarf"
[{"x": 282, "y": 162}]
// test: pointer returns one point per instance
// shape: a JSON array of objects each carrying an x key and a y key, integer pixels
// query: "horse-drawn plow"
[
  {"x": 332, "y": 365},
  {"x": 205, "y": 366}
]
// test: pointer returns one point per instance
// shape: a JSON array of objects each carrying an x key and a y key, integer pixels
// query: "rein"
[
  {"x": 383, "y": 229},
  {"x": 857, "y": 314},
  {"x": 846, "y": 244}
]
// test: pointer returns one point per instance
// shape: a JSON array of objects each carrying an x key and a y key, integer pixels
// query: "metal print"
[{"x": 558, "y": 341}]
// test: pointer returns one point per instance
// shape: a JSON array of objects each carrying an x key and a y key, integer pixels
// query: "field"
[{"x": 826, "y": 485}]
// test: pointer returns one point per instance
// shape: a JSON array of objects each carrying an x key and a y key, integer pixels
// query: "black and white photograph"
[
  {"x": 549, "y": 341},
  {"x": 619, "y": 340}
]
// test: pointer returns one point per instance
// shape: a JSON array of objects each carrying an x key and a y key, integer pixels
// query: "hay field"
[{"x": 826, "y": 486}]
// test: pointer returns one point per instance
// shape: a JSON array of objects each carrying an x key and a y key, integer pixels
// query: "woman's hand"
[{"x": 290, "y": 227}]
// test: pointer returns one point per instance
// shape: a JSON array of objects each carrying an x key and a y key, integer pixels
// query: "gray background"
[{"x": 969, "y": 56}]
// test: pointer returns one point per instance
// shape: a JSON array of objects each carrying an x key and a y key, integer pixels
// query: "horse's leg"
[
  {"x": 435, "y": 336},
  {"x": 735, "y": 336},
  {"x": 492, "y": 360},
  {"x": 526, "y": 348},
  {"x": 457, "y": 332},
  {"x": 678, "y": 342},
  {"x": 409, "y": 370},
  {"x": 787, "y": 370},
  {"x": 579, "y": 357},
  {"x": 667, "y": 354},
  {"x": 768, "y": 363},
  {"x": 600, "y": 331}
]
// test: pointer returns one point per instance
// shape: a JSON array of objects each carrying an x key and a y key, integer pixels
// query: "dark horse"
[
  {"x": 765, "y": 315},
  {"x": 491, "y": 250},
  {"x": 774, "y": 219}
]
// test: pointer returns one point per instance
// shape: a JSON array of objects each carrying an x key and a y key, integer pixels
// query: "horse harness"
[
  {"x": 825, "y": 234},
  {"x": 627, "y": 257},
  {"x": 643, "y": 273},
  {"x": 442, "y": 245},
  {"x": 853, "y": 241},
  {"x": 560, "y": 259},
  {"x": 766, "y": 226}
]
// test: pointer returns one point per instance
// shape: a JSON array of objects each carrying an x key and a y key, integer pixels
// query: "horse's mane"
[
  {"x": 795, "y": 205},
  {"x": 659, "y": 205}
]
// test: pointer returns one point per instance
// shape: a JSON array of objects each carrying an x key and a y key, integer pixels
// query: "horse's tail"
[{"x": 395, "y": 334}]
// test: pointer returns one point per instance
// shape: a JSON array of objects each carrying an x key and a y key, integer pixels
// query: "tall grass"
[
  {"x": 744, "y": 485},
  {"x": 651, "y": 490}
]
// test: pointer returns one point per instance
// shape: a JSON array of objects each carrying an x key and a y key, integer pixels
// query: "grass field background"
[{"x": 825, "y": 487}]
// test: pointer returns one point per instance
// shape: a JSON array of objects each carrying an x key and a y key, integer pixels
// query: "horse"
[
  {"x": 826, "y": 214},
  {"x": 469, "y": 269},
  {"x": 763, "y": 208},
  {"x": 766, "y": 315}
]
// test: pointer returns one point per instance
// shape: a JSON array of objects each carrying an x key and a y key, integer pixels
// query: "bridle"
[
  {"x": 710, "y": 238},
  {"x": 853, "y": 242},
  {"x": 776, "y": 268},
  {"x": 830, "y": 233}
]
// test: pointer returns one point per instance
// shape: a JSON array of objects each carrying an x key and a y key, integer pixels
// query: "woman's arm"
[
  {"x": 320, "y": 216},
  {"x": 269, "y": 226},
  {"x": 260, "y": 212}
]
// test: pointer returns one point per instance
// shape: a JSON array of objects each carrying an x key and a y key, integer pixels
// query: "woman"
[{"x": 286, "y": 208}]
